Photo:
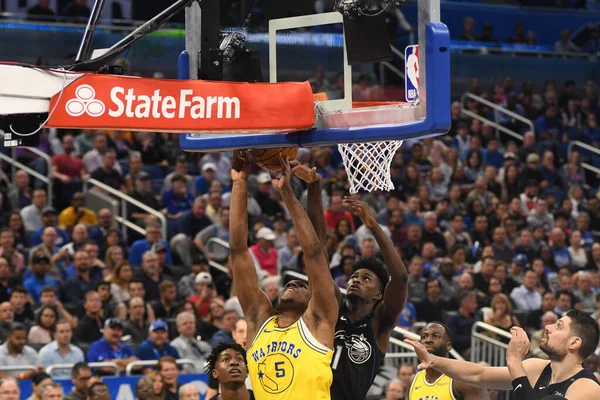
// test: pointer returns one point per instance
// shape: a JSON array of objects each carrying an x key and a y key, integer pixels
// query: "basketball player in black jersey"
[
  {"x": 567, "y": 343},
  {"x": 371, "y": 309},
  {"x": 227, "y": 364}
]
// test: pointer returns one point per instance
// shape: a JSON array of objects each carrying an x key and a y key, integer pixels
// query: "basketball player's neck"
[
  {"x": 287, "y": 317},
  {"x": 564, "y": 369},
  {"x": 234, "y": 392},
  {"x": 357, "y": 308},
  {"x": 432, "y": 375}
]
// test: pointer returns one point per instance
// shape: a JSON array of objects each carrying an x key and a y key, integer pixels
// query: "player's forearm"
[
  {"x": 315, "y": 211},
  {"x": 307, "y": 237},
  {"x": 461, "y": 370},
  {"x": 238, "y": 220},
  {"x": 396, "y": 267}
]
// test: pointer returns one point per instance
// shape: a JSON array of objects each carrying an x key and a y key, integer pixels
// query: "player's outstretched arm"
[
  {"x": 322, "y": 303},
  {"x": 315, "y": 211},
  {"x": 255, "y": 304},
  {"x": 394, "y": 299}
]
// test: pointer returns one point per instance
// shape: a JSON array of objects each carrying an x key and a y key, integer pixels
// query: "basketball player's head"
[
  {"x": 368, "y": 281},
  {"x": 226, "y": 363},
  {"x": 294, "y": 296},
  {"x": 575, "y": 334},
  {"x": 437, "y": 339}
]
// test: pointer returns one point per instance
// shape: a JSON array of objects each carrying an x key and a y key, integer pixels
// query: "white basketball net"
[{"x": 368, "y": 164}]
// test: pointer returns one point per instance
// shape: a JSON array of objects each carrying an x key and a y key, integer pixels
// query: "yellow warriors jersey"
[
  {"x": 289, "y": 363},
  {"x": 441, "y": 389}
]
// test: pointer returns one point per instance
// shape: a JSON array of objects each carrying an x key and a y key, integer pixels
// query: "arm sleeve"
[{"x": 522, "y": 389}]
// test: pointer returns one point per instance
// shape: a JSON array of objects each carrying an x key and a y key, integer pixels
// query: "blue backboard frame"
[{"x": 436, "y": 119}]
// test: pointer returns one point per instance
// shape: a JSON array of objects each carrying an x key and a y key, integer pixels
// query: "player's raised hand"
[
  {"x": 363, "y": 211},
  {"x": 240, "y": 166},
  {"x": 283, "y": 183},
  {"x": 519, "y": 344},
  {"x": 422, "y": 353},
  {"x": 308, "y": 175}
]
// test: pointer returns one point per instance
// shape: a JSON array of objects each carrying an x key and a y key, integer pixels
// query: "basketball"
[{"x": 268, "y": 158}]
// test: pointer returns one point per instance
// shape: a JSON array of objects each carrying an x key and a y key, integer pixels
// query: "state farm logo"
[
  {"x": 85, "y": 102},
  {"x": 129, "y": 104}
]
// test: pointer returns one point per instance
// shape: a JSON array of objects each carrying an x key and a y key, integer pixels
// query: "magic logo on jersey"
[
  {"x": 358, "y": 347},
  {"x": 275, "y": 366}
]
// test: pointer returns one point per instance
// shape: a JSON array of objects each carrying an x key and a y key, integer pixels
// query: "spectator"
[
  {"x": 61, "y": 351},
  {"x": 585, "y": 291},
  {"x": 433, "y": 307},
  {"x": 562, "y": 257},
  {"x": 81, "y": 377},
  {"x": 99, "y": 391},
  {"x": 39, "y": 382},
  {"x": 109, "y": 348},
  {"x": 564, "y": 44},
  {"x": 177, "y": 200},
  {"x": 525, "y": 296},
  {"x": 219, "y": 230},
  {"x": 165, "y": 307},
  {"x": 167, "y": 368},
  {"x": 455, "y": 236},
  {"x": 224, "y": 334},
  {"x": 20, "y": 195},
  {"x": 157, "y": 344},
  {"x": 151, "y": 276},
  {"x": 40, "y": 265},
  {"x": 204, "y": 293},
  {"x": 142, "y": 246},
  {"x": 32, "y": 214},
  {"x": 15, "y": 352},
  {"x": 181, "y": 168},
  {"x": 136, "y": 325},
  {"x": 49, "y": 219},
  {"x": 15, "y": 259},
  {"x": 108, "y": 173},
  {"x": 82, "y": 282},
  {"x": 501, "y": 249},
  {"x": 190, "y": 224},
  {"x": 264, "y": 251},
  {"x": 41, "y": 333},
  {"x": 461, "y": 324},
  {"x": 9, "y": 389},
  {"x": 106, "y": 224},
  {"x": 76, "y": 213},
  {"x": 142, "y": 192},
  {"x": 203, "y": 182},
  {"x": 89, "y": 328},
  {"x": 20, "y": 306},
  {"x": 186, "y": 344}
]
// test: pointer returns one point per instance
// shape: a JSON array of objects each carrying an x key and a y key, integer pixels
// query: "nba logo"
[{"x": 411, "y": 73}]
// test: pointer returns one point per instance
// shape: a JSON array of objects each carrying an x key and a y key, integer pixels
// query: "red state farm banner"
[{"x": 116, "y": 102}]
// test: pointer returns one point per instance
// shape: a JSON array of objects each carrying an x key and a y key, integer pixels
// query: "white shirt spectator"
[
  {"x": 526, "y": 299},
  {"x": 28, "y": 356},
  {"x": 50, "y": 354},
  {"x": 93, "y": 160},
  {"x": 32, "y": 218}
]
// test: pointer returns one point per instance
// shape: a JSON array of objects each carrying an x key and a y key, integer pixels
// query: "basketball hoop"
[{"x": 368, "y": 164}]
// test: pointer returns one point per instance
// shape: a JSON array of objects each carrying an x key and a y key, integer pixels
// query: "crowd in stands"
[{"x": 491, "y": 229}]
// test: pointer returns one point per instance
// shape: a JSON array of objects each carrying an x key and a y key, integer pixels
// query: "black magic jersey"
[
  {"x": 543, "y": 388},
  {"x": 356, "y": 360}
]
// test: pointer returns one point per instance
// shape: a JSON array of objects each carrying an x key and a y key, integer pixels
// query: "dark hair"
[
  {"x": 584, "y": 326},
  {"x": 377, "y": 267},
  {"x": 48, "y": 289},
  {"x": 18, "y": 289},
  {"x": 211, "y": 360},
  {"x": 38, "y": 377},
  {"x": 428, "y": 281},
  {"x": 102, "y": 283},
  {"x": 446, "y": 329},
  {"x": 178, "y": 178},
  {"x": 95, "y": 385},
  {"x": 38, "y": 320},
  {"x": 563, "y": 292},
  {"x": 17, "y": 326}
]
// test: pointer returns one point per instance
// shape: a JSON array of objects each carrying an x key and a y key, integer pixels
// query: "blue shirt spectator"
[
  {"x": 157, "y": 345},
  {"x": 40, "y": 264},
  {"x": 139, "y": 247},
  {"x": 110, "y": 347},
  {"x": 61, "y": 351},
  {"x": 408, "y": 315},
  {"x": 36, "y": 237},
  {"x": 492, "y": 155}
]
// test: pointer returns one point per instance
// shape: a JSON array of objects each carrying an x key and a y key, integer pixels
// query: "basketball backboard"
[{"x": 342, "y": 120}]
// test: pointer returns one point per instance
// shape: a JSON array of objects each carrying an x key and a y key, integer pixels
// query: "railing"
[
  {"x": 127, "y": 199},
  {"x": 486, "y": 348},
  {"x": 497, "y": 109},
  {"x": 47, "y": 159},
  {"x": 111, "y": 365},
  {"x": 47, "y": 180},
  {"x": 218, "y": 242},
  {"x": 588, "y": 148},
  {"x": 16, "y": 368},
  {"x": 152, "y": 363}
]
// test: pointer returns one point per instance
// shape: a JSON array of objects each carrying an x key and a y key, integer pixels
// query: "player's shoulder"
[{"x": 584, "y": 388}]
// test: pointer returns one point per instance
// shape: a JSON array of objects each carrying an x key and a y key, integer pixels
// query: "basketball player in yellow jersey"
[
  {"x": 290, "y": 351},
  {"x": 430, "y": 384}
]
